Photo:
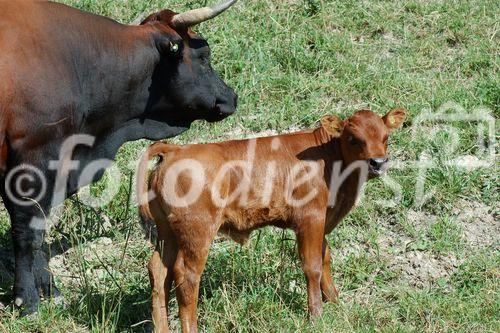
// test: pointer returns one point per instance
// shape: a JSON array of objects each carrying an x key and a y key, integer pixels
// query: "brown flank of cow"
[{"x": 185, "y": 233}]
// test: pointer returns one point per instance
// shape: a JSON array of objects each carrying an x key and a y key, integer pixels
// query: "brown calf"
[{"x": 236, "y": 187}]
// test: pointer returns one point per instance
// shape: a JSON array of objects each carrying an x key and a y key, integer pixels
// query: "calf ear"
[
  {"x": 395, "y": 118},
  {"x": 333, "y": 125}
]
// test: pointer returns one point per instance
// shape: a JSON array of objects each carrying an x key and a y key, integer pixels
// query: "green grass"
[{"x": 292, "y": 62}]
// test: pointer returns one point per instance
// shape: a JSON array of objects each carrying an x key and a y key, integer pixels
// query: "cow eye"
[{"x": 205, "y": 57}]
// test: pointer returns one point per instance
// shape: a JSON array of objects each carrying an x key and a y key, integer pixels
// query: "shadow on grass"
[
  {"x": 127, "y": 311},
  {"x": 256, "y": 276}
]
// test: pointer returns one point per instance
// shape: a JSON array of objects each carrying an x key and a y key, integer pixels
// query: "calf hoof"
[
  {"x": 331, "y": 295},
  {"x": 315, "y": 313}
]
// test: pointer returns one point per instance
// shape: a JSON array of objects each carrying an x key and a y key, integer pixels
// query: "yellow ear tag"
[
  {"x": 174, "y": 47},
  {"x": 392, "y": 121}
]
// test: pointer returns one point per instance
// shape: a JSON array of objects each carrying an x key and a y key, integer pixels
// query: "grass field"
[{"x": 418, "y": 265}]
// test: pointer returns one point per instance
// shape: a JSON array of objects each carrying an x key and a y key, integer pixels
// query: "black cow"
[{"x": 65, "y": 74}]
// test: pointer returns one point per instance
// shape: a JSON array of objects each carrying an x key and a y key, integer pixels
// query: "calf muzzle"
[{"x": 378, "y": 165}]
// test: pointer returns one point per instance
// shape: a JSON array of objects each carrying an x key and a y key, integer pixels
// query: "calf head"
[
  {"x": 186, "y": 81},
  {"x": 363, "y": 136}
]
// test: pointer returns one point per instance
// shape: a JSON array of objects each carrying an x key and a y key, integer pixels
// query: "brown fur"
[{"x": 185, "y": 233}]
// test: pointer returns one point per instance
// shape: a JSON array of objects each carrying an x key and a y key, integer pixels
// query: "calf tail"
[{"x": 143, "y": 194}]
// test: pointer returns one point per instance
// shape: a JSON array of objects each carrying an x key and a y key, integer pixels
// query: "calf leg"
[
  {"x": 310, "y": 241},
  {"x": 161, "y": 277},
  {"x": 159, "y": 304},
  {"x": 188, "y": 269},
  {"x": 157, "y": 276},
  {"x": 330, "y": 293}
]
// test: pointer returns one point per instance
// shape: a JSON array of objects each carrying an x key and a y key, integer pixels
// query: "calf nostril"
[{"x": 378, "y": 162}]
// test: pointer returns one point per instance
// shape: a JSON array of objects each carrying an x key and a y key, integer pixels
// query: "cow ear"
[
  {"x": 395, "y": 118},
  {"x": 333, "y": 125},
  {"x": 164, "y": 16}
]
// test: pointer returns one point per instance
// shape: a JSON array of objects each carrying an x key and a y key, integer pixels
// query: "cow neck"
[{"x": 126, "y": 61}]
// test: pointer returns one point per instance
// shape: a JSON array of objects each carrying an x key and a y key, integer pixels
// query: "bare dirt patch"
[
  {"x": 421, "y": 267},
  {"x": 480, "y": 223}
]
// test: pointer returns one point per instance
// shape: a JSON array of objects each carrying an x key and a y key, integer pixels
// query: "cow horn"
[{"x": 196, "y": 16}]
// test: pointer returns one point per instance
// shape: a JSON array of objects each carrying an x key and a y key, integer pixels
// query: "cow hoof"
[
  {"x": 28, "y": 310},
  {"x": 28, "y": 303},
  {"x": 52, "y": 294},
  {"x": 25, "y": 309},
  {"x": 49, "y": 290}
]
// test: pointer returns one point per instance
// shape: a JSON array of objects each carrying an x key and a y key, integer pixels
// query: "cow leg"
[
  {"x": 44, "y": 280},
  {"x": 161, "y": 277},
  {"x": 330, "y": 293},
  {"x": 27, "y": 243},
  {"x": 187, "y": 270},
  {"x": 310, "y": 241},
  {"x": 31, "y": 275}
]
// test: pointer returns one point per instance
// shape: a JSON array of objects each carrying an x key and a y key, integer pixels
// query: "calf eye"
[{"x": 354, "y": 141}]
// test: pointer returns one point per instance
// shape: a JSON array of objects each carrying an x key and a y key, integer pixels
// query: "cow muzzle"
[
  {"x": 223, "y": 109},
  {"x": 377, "y": 166}
]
